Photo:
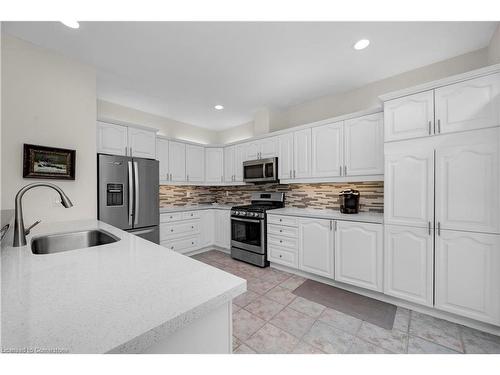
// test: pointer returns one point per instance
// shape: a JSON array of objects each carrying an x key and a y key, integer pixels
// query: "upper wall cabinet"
[
  {"x": 214, "y": 165},
  {"x": 327, "y": 150},
  {"x": 468, "y": 105},
  {"x": 195, "y": 163},
  {"x": 261, "y": 148},
  {"x": 411, "y": 116},
  {"x": 112, "y": 139},
  {"x": 162, "y": 157},
  {"x": 285, "y": 156},
  {"x": 177, "y": 161},
  {"x": 142, "y": 143},
  {"x": 302, "y": 153},
  {"x": 364, "y": 145},
  {"x": 233, "y": 163},
  {"x": 126, "y": 140}
]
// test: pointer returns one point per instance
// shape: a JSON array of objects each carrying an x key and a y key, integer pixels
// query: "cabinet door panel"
[
  {"x": 222, "y": 228},
  {"x": 285, "y": 156},
  {"x": 162, "y": 157},
  {"x": 214, "y": 159},
  {"x": 409, "y": 187},
  {"x": 112, "y": 139},
  {"x": 229, "y": 163},
  {"x": 468, "y": 275},
  {"x": 364, "y": 145},
  {"x": 302, "y": 154},
  {"x": 316, "y": 246},
  {"x": 195, "y": 163},
  {"x": 239, "y": 153},
  {"x": 177, "y": 161},
  {"x": 268, "y": 147},
  {"x": 411, "y": 116},
  {"x": 467, "y": 105},
  {"x": 467, "y": 191},
  {"x": 142, "y": 143},
  {"x": 408, "y": 264},
  {"x": 207, "y": 228},
  {"x": 359, "y": 254},
  {"x": 327, "y": 150},
  {"x": 252, "y": 150}
]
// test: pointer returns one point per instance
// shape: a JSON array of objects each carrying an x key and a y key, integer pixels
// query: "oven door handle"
[{"x": 246, "y": 220}]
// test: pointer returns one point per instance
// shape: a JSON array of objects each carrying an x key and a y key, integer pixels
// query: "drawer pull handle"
[
  {"x": 171, "y": 217},
  {"x": 171, "y": 230},
  {"x": 281, "y": 230},
  {"x": 281, "y": 220},
  {"x": 281, "y": 241},
  {"x": 172, "y": 247}
]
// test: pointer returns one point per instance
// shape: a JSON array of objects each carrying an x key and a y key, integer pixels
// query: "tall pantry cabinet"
[{"x": 442, "y": 198}]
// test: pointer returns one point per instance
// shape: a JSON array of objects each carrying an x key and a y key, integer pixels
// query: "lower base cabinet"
[
  {"x": 316, "y": 246},
  {"x": 222, "y": 222},
  {"x": 359, "y": 254},
  {"x": 408, "y": 264},
  {"x": 468, "y": 274}
]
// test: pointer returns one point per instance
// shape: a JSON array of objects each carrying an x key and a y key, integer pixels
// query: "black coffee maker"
[{"x": 349, "y": 201}]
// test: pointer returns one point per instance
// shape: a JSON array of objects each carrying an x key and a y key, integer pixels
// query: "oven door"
[{"x": 248, "y": 234}]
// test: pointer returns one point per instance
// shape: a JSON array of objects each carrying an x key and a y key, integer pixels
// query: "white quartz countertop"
[
  {"x": 164, "y": 210},
  {"x": 120, "y": 297},
  {"x": 366, "y": 217}
]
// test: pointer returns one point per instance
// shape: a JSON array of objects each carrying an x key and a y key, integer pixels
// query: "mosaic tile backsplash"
[{"x": 316, "y": 196}]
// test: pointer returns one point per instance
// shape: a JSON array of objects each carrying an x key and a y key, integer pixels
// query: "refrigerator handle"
[
  {"x": 136, "y": 193},
  {"x": 130, "y": 194}
]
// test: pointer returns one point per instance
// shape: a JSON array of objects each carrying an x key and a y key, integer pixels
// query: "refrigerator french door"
[{"x": 128, "y": 194}]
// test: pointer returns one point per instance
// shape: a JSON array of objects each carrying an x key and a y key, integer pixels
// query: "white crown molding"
[
  {"x": 491, "y": 69},
  {"x": 108, "y": 120}
]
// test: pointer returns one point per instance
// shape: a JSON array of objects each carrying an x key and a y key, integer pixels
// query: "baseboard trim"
[
  {"x": 207, "y": 248},
  {"x": 489, "y": 328}
]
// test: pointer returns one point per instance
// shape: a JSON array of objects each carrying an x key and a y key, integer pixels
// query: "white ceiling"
[{"x": 182, "y": 69}]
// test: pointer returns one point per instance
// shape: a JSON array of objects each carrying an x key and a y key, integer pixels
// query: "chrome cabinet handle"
[
  {"x": 294, "y": 173},
  {"x": 331, "y": 225},
  {"x": 340, "y": 170},
  {"x": 429, "y": 228},
  {"x": 281, "y": 230},
  {"x": 429, "y": 127},
  {"x": 439, "y": 126},
  {"x": 187, "y": 176},
  {"x": 345, "y": 170},
  {"x": 171, "y": 230},
  {"x": 439, "y": 228},
  {"x": 126, "y": 150},
  {"x": 130, "y": 150}
]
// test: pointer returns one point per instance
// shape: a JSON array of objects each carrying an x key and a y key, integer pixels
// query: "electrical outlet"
[
  {"x": 227, "y": 193},
  {"x": 188, "y": 194}
]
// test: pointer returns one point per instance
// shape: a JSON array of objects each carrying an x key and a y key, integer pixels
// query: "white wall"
[
  {"x": 48, "y": 100},
  {"x": 494, "y": 47},
  {"x": 167, "y": 127}
]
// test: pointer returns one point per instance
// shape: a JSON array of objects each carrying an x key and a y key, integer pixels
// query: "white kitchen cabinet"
[
  {"x": 327, "y": 150},
  {"x": 302, "y": 154},
  {"x": 468, "y": 274},
  {"x": 409, "y": 185},
  {"x": 222, "y": 228},
  {"x": 112, "y": 139},
  {"x": 316, "y": 253},
  {"x": 177, "y": 161},
  {"x": 410, "y": 116},
  {"x": 214, "y": 165},
  {"x": 142, "y": 143},
  {"x": 229, "y": 163},
  {"x": 195, "y": 163},
  {"x": 409, "y": 263},
  {"x": 364, "y": 145},
  {"x": 207, "y": 227},
  {"x": 359, "y": 254},
  {"x": 239, "y": 153},
  {"x": 252, "y": 150},
  {"x": 467, "y": 183},
  {"x": 268, "y": 147},
  {"x": 162, "y": 157},
  {"x": 468, "y": 105},
  {"x": 285, "y": 156}
]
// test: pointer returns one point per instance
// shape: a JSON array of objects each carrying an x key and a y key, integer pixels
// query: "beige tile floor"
[{"x": 269, "y": 318}]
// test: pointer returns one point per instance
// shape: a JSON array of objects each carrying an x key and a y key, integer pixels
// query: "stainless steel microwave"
[{"x": 261, "y": 170}]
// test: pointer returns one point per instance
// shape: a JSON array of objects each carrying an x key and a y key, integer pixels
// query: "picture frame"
[{"x": 48, "y": 162}]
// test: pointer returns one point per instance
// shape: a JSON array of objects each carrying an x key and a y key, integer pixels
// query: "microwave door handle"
[
  {"x": 264, "y": 170},
  {"x": 130, "y": 194},
  {"x": 136, "y": 193}
]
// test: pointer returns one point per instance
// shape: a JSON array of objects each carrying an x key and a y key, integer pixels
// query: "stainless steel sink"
[{"x": 55, "y": 243}]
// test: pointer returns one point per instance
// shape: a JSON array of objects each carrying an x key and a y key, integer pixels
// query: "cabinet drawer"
[
  {"x": 281, "y": 230},
  {"x": 174, "y": 216},
  {"x": 289, "y": 243},
  {"x": 191, "y": 215},
  {"x": 179, "y": 229},
  {"x": 182, "y": 245},
  {"x": 282, "y": 220},
  {"x": 282, "y": 256}
]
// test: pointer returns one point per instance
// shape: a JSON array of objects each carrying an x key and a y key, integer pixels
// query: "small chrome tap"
[{"x": 19, "y": 231}]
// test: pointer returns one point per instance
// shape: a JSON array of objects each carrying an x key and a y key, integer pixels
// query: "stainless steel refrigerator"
[{"x": 128, "y": 194}]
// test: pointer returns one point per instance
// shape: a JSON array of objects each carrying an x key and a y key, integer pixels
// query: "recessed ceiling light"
[
  {"x": 72, "y": 24},
  {"x": 361, "y": 44},
  {"x": 219, "y": 107}
]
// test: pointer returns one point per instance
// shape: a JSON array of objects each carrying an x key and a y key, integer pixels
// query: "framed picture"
[{"x": 48, "y": 162}]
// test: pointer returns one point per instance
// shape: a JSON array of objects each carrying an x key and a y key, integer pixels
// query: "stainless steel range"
[{"x": 249, "y": 230}]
